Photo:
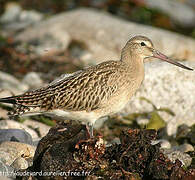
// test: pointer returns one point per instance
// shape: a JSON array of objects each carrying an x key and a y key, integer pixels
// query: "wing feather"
[{"x": 83, "y": 90}]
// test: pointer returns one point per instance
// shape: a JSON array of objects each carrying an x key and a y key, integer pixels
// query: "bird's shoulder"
[{"x": 93, "y": 74}]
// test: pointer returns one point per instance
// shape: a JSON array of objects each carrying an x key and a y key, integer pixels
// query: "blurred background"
[
  {"x": 42, "y": 39},
  {"x": 174, "y": 15}
]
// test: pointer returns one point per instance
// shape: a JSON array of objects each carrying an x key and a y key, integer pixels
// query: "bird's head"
[{"x": 141, "y": 48}]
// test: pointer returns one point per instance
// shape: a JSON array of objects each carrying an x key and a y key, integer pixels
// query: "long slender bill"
[{"x": 159, "y": 55}]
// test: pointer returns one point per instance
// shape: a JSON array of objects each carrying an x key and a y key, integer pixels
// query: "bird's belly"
[
  {"x": 82, "y": 116},
  {"x": 116, "y": 104}
]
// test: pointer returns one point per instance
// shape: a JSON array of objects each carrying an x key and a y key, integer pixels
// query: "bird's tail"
[
  {"x": 9, "y": 100},
  {"x": 20, "y": 108}
]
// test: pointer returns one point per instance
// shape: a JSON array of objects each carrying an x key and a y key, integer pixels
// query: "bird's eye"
[{"x": 143, "y": 44}]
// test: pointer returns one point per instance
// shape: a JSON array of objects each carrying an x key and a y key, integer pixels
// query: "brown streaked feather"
[{"x": 74, "y": 92}]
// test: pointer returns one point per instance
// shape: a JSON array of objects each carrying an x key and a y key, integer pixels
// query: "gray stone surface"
[
  {"x": 19, "y": 163},
  {"x": 36, "y": 141},
  {"x": 42, "y": 128},
  {"x": 174, "y": 155},
  {"x": 6, "y": 172},
  {"x": 10, "y": 151},
  {"x": 9, "y": 82},
  {"x": 33, "y": 80},
  {"x": 17, "y": 135},
  {"x": 10, "y": 124},
  {"x": 165, "y": 144}
]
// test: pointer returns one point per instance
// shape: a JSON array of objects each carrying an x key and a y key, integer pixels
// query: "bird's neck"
[
  {"x": 133, "y": 62},
  {"x": 134, "y": 72}
]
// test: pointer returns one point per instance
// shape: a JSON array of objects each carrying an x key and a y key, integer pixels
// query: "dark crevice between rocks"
[{"x": 66, "y": 149}]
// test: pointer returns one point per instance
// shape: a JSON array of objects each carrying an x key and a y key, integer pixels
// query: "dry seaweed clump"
[{"x": 66, "y": 149}]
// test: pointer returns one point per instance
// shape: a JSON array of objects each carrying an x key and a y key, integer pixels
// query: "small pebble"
[
  {"x": 164, "y": 143},
  {"x": 19, "y": 163},
  {"x": 173, "y": 155}
]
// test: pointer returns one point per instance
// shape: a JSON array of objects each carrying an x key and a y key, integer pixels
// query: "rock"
[
  {"x": 46, "y": 43},
  {"x": 174, "y": 8},
  {"x": 163, "y": 143},
  {"x": 186, "y": 136},
  {"x": 33, "y": 80},
  {"x": 14, "y": 150},
  {"x": 98, "y": 124},
  {"x": 174, "y": 155},
  {"x": 3, "y": 113},
  {"x": 36, "y": 141},
  {"x": 12, "y": 11},
  {"x": 5, "y": 93},
  {"x": 17, "y": 135},
  {"x": 43, "y": 129},
  {"x": 160, "y": 88},
  {"x": 19, "y": 163},
  {"x": 10, "y": 124},
  {"x": 191, "y": 134},
  {"x": 10, "y": 83},
  {"x": 104, "y": 35},
  {"x": 184, "y": 148},
  {"x": 15, "y": 19},
  {"x": 6, "y": 171}
]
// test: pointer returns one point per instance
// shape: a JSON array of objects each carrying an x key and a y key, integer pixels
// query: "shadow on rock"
[{"x": 66, "y": 153}]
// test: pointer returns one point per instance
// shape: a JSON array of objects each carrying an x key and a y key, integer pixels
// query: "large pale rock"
[
  {"x": 170, "y": 87},
  {"x": 10, "y": 151},
  {"x": 104, "y": 35},
  {"x": 9, "y": 82},
  {"x": 42, "y": 128}
]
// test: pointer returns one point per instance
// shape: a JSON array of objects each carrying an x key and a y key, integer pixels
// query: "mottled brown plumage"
[
  {"x": 93, "y": 92},
  {"x": 77, "y": 92}
]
